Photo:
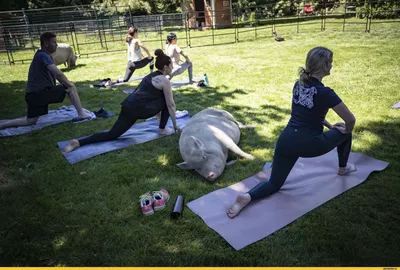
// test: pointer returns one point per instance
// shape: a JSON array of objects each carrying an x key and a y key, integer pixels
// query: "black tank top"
[{"x": 145, "y": 92}]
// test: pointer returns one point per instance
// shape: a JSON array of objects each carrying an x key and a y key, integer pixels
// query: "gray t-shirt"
[{"x": 39, "y": 77}]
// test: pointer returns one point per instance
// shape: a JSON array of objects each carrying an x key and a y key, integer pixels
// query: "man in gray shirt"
[{"x": 41, "y": 88}]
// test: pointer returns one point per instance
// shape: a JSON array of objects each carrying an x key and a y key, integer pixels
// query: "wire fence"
[{"x": 92, "y": 30}]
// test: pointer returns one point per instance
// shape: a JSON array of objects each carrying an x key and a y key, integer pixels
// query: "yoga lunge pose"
[
  {"x": 173, "y": 51},
  {"x": 135, "y": 57},
  {"x": 41, "y": 89},
  {"x": 303, "y": 135},
  {"x": 152, "y": 96}
]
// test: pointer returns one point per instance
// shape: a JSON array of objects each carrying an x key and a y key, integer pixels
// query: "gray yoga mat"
[
  {"x": 130, "y": 80},
  {"x": 396, "y": 106},
  {"x": 60, "y": 115},
  {"x": 311, "y": 183},
  {"x": 174, "y": 84},
  {"x": 138, "y": 133},
  {"x": 183, "y": 82},
  {"x": 128, "y": 91}
]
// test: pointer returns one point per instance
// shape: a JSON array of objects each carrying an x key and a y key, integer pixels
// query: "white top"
[
  {"x": 134, "y": 55},
  {"x": 173, "y": 51}
]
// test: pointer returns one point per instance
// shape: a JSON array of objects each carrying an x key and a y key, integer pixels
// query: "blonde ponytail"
[{"x": 315, "y": 60}]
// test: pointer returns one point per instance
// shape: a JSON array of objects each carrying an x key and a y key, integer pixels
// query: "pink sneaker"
[
  {"x": 146, "y": 204},
  {"x": 160, "y": 198}
]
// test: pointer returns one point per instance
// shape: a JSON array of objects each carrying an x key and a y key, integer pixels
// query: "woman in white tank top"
[
  {"x": 135, "y": 57},
  {"x": 174, "y": 52}
]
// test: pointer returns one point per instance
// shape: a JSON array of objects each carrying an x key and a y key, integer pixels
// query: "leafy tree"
[{"x": 13, "y": 4}]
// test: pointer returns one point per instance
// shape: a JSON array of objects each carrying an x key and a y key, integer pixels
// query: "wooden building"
[{"x": 203, "y": 14}]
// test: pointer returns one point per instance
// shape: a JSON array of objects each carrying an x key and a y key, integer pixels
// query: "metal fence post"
[
  {"x": 104, "y": 32},
  {"x": 236, "y": 25},
  {"x": 186, "y": 28},
  {"x": 76, "y": 39},
  {"x": 160, "y": 30},
  {"x": 344, "y": 15},
  {"x": 212, "y": 24},
  {"x": 130, "y": 15},
  {"x": 187, "y": 20},
  {"x": 98, "y": 28},
  {"x": 27, "y": 26},
  {"x": 369, "y": 17},
  {"x": 119, "y": 25},
  {"x": 322, "y": 19},
  {"x": 298, "y": 20},
  {"x": 8, "y": 54},
  {"x": 273, "y": 19}
]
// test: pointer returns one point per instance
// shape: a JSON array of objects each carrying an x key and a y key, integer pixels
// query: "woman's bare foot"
[
  {"x": 165, "y": 131},
  {"x": 241, "y": 201},
  {"x": 110, "y": 83},
  {"x": 348, "y": 169},
  {"x": 73, "y": 144}
]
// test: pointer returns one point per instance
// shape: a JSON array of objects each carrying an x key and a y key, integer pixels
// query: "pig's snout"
[{"x": 211, "y": 176}]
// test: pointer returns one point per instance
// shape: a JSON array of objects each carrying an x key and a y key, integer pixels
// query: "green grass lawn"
[{"x": 87, "y": 214}]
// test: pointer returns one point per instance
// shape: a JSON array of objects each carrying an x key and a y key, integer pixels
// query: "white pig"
[
  {"x": 64, "y": 55},
  {"x": 206, "y": 140}
]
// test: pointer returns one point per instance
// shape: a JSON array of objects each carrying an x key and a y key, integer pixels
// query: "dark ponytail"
[
  {"x": 170, "y": 37},
  {"x": 162, "y": 59},
  {"x": 132, "y": 30}
]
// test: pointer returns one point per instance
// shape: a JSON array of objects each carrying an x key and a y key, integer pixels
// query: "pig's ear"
[
  {"x": 184, "y": 165},
  {"x": 198, "y": 144}
]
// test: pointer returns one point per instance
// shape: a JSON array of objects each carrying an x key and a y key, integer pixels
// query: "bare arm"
[
  {"x": 184, "y": 55},
  {"x": 140, "y": 44},
  {"x": 163, "y": 84},
  {"x": 327, "y": 124},
  {"x": 60, "y": 75},
  {"x": 169, "y": 100},
  {"x": 347, "y": 116}
]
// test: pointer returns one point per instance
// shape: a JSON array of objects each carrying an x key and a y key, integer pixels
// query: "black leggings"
[
  {"x": 126, "y": 119},
  {"x": 300, "y": 142},
  {"x": 132, "y": 66}
]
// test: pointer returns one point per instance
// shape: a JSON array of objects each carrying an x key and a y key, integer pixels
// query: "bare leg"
[
  {"x": 73, "y": 144},
  {"x": 75, "y": 100},
  {"x": 111, "y": 83},
  {"x": 241, "y": 201},
  {"x": 19, "y": 122},
  {"x": 165, "y": 131}
]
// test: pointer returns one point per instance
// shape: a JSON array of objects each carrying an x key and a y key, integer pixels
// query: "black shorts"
[{"x": 38, "y": 102}]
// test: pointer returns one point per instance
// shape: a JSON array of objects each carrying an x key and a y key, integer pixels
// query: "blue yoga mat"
[
  {"x": 139, "y": 133},
  {"x": 54, "y": 117}
]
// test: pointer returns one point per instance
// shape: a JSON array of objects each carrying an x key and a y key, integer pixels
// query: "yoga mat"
[
  {"x": 174, "y": 84},
  {"x": 183, "y": 82},
  {"x": 60, "y": 115},
  {"x": 130, "y": 80},
  {"x": 396, "y": 106},
  {"x": 128, "y": 91},
  {"x": 139, "y": 133},
  {"x": 311, "y": 183},
  {"x": 102, "y": 82}
]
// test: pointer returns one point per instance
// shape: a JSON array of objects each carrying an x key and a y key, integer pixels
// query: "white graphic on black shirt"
[{"x": 304, "y": 96}]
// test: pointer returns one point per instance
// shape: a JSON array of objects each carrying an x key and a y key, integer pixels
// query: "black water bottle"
[{"x": 178, "y": 207}]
